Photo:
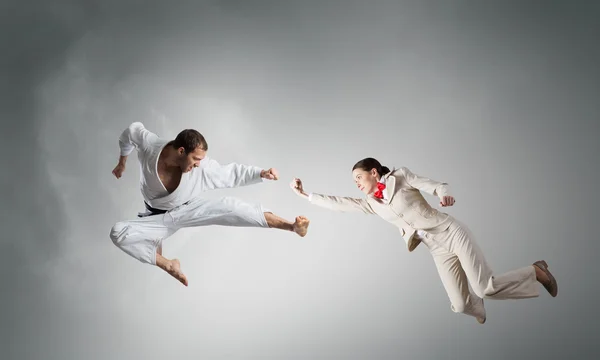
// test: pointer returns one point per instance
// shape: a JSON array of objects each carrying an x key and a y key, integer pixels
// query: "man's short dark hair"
[{"x": 190, "y": 140}]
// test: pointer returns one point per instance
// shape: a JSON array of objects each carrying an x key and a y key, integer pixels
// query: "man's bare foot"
[
  {"x": 173, "y": 268},
  {"x": 301, "y": 225}
]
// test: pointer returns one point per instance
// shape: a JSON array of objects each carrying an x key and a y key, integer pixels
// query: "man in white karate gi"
[{"x": 174, "y": 174}]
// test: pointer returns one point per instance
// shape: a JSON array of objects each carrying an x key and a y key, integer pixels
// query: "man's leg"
[
  {"x": 172, "y": 267},
  {"x": 231, "y": 211},
  {"x": 300, "y": 226},
  {"x": 142, "y": 238}
]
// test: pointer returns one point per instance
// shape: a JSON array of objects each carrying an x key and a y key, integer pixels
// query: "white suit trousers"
[
  {"x": 141, "y": 237},
  {"x": 460, "y": 262}
]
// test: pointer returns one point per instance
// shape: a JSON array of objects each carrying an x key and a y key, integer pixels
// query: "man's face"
[{"x": 191, "y": 160}]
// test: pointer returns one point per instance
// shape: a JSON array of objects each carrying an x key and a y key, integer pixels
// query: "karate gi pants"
[
  {"x": 460, "y": 261},
  {"x": 141, "y": 237}
]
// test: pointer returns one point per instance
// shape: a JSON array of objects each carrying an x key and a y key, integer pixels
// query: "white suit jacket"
[{"x": 405, "y": 207}]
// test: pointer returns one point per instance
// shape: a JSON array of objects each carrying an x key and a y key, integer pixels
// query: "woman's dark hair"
[{"x": 369, "y": 163}]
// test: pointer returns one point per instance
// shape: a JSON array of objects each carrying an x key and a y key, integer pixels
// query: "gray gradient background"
[{"x": 500, "y": 99}]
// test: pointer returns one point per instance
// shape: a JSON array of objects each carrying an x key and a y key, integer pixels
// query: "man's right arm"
[{"x": 135, "y": 136}]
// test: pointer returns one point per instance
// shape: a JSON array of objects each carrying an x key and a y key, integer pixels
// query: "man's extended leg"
[
  {"x": 300, "y": 226},
  {"x": 231, "y": 211}
]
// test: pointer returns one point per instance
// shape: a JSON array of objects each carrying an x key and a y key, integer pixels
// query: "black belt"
[{"x": 154, "y": 211}]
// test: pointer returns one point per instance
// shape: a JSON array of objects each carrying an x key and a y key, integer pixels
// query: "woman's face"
[{"x": 366, "y": 180}]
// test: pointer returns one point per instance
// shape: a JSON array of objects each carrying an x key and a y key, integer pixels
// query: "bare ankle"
[
  {"x": 172, "y": 267},
  {"x": 162, "y": 262},
  {"x": 275, "y": 222}
]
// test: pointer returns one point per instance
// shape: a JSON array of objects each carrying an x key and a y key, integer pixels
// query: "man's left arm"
[
  {"x": 216, "y": 176},
  {"x": 432, "y": 187}
]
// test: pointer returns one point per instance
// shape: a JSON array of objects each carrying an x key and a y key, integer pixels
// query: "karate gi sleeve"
[
  {"x": 216, "y": 176},
  {"x": 135, "y": 136}
]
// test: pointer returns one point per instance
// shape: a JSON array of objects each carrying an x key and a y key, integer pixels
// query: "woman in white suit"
[{"x": 396, "y": 197}]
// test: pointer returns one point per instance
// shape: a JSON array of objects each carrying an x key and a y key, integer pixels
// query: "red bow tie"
[{"x": 379, "y": 194}]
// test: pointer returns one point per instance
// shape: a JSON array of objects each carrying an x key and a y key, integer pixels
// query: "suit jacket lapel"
[
  {"x": 390, "y": 188},
  {"x": 390, "y": 185}
]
